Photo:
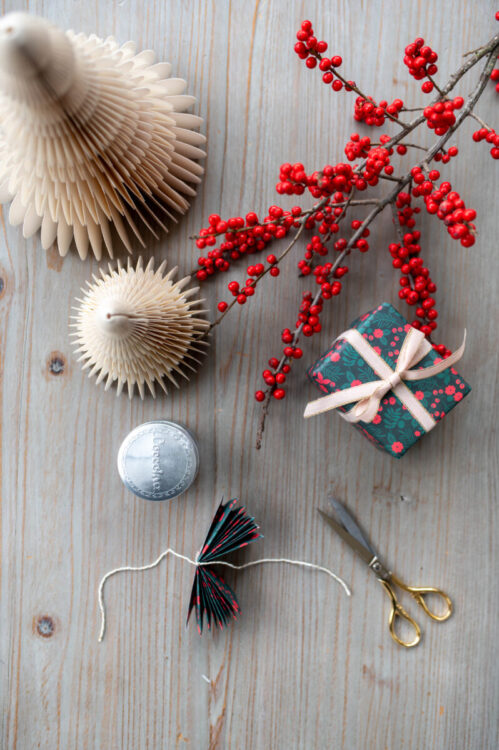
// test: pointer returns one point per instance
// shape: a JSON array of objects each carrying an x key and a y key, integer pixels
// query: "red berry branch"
[{"x": 336, "y": 223}]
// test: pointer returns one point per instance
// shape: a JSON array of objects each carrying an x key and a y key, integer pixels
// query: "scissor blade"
[
  {"x": 350, "y": 523},
  {"x": 363, "y": 552}
]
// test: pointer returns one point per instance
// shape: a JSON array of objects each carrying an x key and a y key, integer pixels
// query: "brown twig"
[
  {"x": 388, "y": 178},
  {"x": 398, "y": 228},
  {"x": 353, "y": 86},
  {"x": 415, "y": 145},
  {"x": 435, "y": 84},
  {"x": 480, "y": 121}
]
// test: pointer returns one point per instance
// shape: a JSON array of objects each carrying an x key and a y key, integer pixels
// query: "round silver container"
[{"x": 158, "y": 460}]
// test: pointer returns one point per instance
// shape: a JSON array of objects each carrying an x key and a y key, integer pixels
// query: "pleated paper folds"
[
  {"x": 138, "y": 327},
  {"x": 92, "y": 136}
]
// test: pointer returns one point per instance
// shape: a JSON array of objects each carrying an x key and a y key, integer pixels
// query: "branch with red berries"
[{"x": 335, "y": 224}]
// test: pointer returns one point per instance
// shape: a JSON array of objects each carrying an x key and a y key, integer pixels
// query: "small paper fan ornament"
[
  {"x": 211, "y": 598},
  {"x": 135, "y": 326},
  {"x": 92, "y": 135}
]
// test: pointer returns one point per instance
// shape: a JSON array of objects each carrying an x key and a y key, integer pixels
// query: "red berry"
[
  {"x": 279, "y": 393},
  {"x": 260, "y": 395},
  {"x": 222, "y": 306}
]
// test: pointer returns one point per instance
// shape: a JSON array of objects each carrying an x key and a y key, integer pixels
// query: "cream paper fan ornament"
[
  {"x": 92, "y": 135},
  {"x": 135, "y": 326}
]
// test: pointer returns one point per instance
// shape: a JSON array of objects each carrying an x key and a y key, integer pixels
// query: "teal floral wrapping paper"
[{"x": 393, "y": 429}]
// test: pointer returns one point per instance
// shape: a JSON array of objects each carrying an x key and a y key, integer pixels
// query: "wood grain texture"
[{"x": 305, "y": 667}]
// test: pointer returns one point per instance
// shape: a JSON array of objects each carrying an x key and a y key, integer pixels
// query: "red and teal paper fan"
[{"x": 212, "y": 599}]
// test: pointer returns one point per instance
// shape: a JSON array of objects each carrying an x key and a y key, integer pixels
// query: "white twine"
[{"x": 170, "y": 551}]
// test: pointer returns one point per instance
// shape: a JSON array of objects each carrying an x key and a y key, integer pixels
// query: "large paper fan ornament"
[
  {"x": 136, "y": 327},
  {"x": 92, "y": 136}
]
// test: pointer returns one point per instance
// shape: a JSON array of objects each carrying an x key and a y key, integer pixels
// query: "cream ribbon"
[{"x": 368, "y": 395}]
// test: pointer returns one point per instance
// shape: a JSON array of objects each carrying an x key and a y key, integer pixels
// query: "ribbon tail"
[
  {"x": 341, "y": 398},
  {"x": 320, "y": 405},
  {"x": 364, "y": 411},
  {"x": 367, "y": 408},
  {"x": 444, "y": 364}
]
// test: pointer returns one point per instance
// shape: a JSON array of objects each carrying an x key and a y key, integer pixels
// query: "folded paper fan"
[
  {"x": 211, "y": 598},
  {"x": 135, "y": 326},
  {"x": 92, "y": 136}
]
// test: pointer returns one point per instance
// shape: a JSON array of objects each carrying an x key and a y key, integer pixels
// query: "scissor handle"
[
  {"x": 419, "y": 592},
  {"x": 397, "y": 612}
]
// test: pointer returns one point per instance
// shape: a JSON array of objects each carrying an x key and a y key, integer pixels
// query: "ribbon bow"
[{"x": 368, "y": 395}]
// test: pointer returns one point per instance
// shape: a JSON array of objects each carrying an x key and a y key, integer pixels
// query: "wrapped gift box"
[{"x": 399, "y": 421}]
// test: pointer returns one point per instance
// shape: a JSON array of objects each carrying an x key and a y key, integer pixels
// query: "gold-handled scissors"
[{"x": 348, "y": 529}]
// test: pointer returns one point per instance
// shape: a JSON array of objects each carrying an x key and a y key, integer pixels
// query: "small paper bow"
[{"x": 368, "y": 395}]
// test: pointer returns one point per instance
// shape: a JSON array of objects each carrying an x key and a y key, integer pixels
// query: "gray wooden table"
[{"x": 305, "y": 667}]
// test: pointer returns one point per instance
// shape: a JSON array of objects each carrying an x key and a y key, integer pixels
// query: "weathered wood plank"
[{"x": 305, "y": 667}]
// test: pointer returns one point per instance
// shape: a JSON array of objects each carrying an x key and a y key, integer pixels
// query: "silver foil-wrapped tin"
[{"x": 158, "y": 460}]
